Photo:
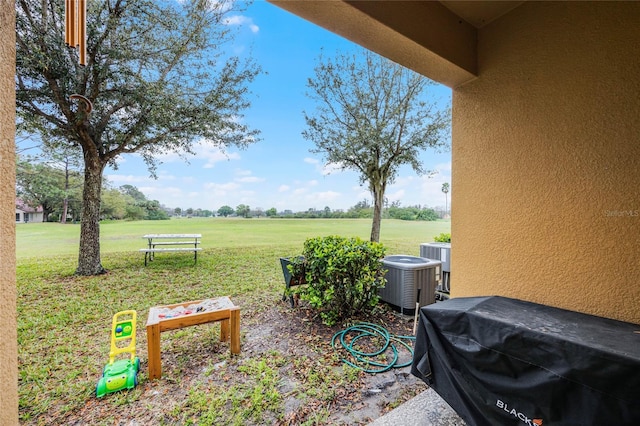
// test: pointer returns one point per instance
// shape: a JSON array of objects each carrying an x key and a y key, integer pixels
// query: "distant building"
[{"x": 26, "y": 213}]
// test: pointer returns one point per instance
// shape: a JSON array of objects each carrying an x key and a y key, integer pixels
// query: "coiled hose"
[{"x": 364, "y": 360}]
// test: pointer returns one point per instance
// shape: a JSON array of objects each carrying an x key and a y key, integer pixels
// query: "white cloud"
[
  {"x": 425, "y": 190},
  {"x": 221, "y": 189},
  {"x": 395, "y": 196},
  {"x": 163, "y": 176},
  {"x": 151, "y": 191},
  {"x": 361, "y": 194},
  {"x": 246, "y": 176},
  {"x": 325, "y": 196},
  {"x": 331, "y": 168},
  {"x": 283, "y": 188},
  {"x": 242, "y": 20},
  {"x": 170, "y": 196},
  {"x": 189, "y": 180},
  {"x": 324, "y": 169},
  {"x": 250, "y": 179},
  {"x": 213, "y": 154},
  {"x": 443, "y": 168},
  {"x": 205, "y": 149},
  {"x": 403, "y": 181}
]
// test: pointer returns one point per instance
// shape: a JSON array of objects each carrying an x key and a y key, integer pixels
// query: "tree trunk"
[
  {"x": 89, "y": 255},
  {"x": 65, "y": 202},
  {"x": 378, "y": 202},
  {"x": 46, "y": 211}
]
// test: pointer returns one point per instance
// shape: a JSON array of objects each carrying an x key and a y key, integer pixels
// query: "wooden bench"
[
  {"x": 154, "y": 240},
  {"x": 221, "y": 309}
]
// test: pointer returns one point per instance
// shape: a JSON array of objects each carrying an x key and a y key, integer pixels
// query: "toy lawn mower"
[{"x": 122, "y": 373}]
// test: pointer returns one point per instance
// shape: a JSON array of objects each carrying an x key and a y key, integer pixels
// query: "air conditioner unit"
[
  {"x": 441, "y": 252},
  {"x": 438, "y": 251},
  {"x": 410, "y": 279}
]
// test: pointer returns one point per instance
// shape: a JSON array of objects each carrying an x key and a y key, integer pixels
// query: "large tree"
[
  {"x": 373, "y": 116},
  {"x": 225, "y": 211},
  {"x": 243, "y": 210},
  {"x": 157, "y": 78},
  {"x": 133, "y": 192},
  {"x": 67, "y": 159},
  {"x": 69, "y": 163},
  {"x": 114, "y": 204},
  {"x": 39, "y": 184}
]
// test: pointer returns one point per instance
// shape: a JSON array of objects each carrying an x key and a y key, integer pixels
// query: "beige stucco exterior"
[
  {"x": 9, "y": 340},
  {"x": 545, "y": 139},
  {"x": 546, "y": 160}
]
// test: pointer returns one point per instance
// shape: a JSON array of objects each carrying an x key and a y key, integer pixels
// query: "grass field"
[
  {"x": 48, "y": 239},
  {"x": 64, "y": 320}
]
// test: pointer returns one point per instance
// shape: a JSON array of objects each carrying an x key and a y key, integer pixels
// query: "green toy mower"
[{"x": 123, "y": 373}]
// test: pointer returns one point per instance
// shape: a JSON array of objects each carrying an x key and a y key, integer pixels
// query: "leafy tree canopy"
[
  {"x": 373, "y": 116},
  {"x": 133, "y": 192},
  {"x": 158, "y": 78},
  {"x": 243, "y": 210},
  {"x": 46, "y": 185},
  {"x": 225, "y": 211}
]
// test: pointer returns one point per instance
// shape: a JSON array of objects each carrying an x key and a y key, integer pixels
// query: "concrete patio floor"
[{"x": 425, "y": 409}]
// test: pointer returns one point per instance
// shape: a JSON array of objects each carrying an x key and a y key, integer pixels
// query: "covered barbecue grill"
[{"x": 500, "y": 361}]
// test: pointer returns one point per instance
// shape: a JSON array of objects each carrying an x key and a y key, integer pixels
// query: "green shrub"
[
  {"x": 343, "y": 276},
  {"x": 427, "y": 214},
  {"x": 442, "y": 238}
]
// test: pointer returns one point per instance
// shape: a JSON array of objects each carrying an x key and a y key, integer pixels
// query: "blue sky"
[{"x": 278, "y": 171}]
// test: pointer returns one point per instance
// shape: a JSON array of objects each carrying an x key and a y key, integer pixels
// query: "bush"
[
  {"x": 343, "y": 276},
  {"x": 442, "y": 238},
  {"x": 427, "y": 214},
  {"x": 412, "y": 213}
]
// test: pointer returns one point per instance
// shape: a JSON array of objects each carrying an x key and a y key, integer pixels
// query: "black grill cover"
[{"x": 500, "y": 361}]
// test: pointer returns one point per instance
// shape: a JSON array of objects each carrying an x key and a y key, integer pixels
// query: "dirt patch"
[
  {"x": 297, "y": 332},
  {"x": 313, "y": 385}
]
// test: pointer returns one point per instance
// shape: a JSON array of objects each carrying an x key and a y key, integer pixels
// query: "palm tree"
[{"x": 445, "y": 189}]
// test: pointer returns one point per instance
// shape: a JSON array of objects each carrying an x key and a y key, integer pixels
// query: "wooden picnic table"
[{"x": 170, "y": 241}]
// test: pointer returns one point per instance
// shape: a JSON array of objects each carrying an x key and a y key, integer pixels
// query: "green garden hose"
[{"x": 364, "y": 360}]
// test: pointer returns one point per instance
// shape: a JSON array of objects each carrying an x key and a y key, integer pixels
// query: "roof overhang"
[{"x": 436, "y": 39}]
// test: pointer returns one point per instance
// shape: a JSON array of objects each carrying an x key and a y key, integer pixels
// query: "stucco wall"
[
  {"x": 8, "y": 342},
  {"x": 546, "y": 160}
]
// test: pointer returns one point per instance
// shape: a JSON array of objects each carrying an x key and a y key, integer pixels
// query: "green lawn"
[
  {"x": 47, "y": 239},
  {"x": 64, "y": 320}
]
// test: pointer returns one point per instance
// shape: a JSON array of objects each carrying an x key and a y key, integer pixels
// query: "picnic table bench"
[{"x": 174, "y": 240}]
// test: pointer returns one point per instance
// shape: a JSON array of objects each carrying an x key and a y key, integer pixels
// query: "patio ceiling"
[
  {"x": 436, "y": 39},
  {"x": 480, "y": 13}
]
